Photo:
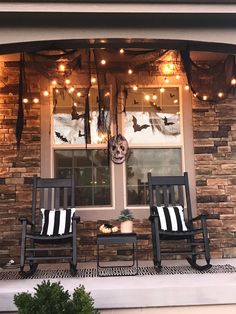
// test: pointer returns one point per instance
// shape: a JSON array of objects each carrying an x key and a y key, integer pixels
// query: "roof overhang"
[{"x": 122, "y": 6}]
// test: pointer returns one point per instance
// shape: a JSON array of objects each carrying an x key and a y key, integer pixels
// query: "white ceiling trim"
[{"x": 22, "y": 7}]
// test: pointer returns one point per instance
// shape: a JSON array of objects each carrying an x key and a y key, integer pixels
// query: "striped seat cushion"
[
  {"x": 56, "y": 222},
  {"x": 171, "y": 218}
]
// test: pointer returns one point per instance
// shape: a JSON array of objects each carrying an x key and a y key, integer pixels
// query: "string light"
[
  {"x": 122, "y": 51},
  {"x": 45, "y": 93},
  {"x": 36, "y": 100},
  {"x": 162, "y": 89},
  {"x": 233, "y": 81},
  {"x": 79, "y": 94},
  {"x": 177, "y": 77},
  {"x": 130, "y": 71},
  {"x": 25, "y": 100},
  {"x": 220, "y": 94},
  {"x": 175, "y": 101},
  {"x": 135, "y": 87},
  {"x": 75, "y": 104},
  {"x": 186, "y": 87},
  {"x": 67, "y": 81},
  {"x": 154, "y": 97},
  {"x": 71, "y": 90},
  {"x": 54, "y": 82},
  {"x": 166, "y": 80},
  {"x": 103, "y": 62},
  {"x": 93, "y": 80},
  {"x": 204, "y": 97},
  {"x": 62, "y": 68},
  {"x": 147, "y": 97},
  {"x": 57, "y": 91},
  {"x": 168, "y": 67},
  {"x": 107, "y": 94}
]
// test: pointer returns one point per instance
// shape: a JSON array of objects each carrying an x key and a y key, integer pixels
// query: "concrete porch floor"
[{"x": 198, "y": 293}]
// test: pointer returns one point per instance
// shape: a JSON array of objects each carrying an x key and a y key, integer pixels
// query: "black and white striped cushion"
[
  {"x": 171, "y": 218},
  {"x": 56, "y": 222}
]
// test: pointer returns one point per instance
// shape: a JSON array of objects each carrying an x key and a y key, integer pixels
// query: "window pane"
[
  {"x": 69, "y": 115},
  {"x": 159, "y": 161},
  {"x": 91, "y": 171},
  {"x": 152, "y": 116}
]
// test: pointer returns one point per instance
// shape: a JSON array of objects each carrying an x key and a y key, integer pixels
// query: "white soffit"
[{"x": 36, "y": 7}]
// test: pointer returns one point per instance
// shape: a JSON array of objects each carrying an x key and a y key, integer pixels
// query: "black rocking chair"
[
  {"x": 171, "y": 219},
  {"x": 51, "y": 234}
]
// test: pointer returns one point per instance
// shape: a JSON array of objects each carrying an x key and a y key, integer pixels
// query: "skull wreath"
[{"x": 118, "y": 147}]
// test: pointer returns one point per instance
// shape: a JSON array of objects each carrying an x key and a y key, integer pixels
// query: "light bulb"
[
  {"x": 147, "y": 97},
  {"x": 122, "y": 51},
  {"x": 204, "y": 97},
  {"x": 130, "y": 71},
  {"x": 61, "y": 67},
  {"x": 135, "y": 87},
  {"x": 186, "y": 87},
  {"x": 54, "y": 82},
  {"x": 220, "y": 94},
  {"x": 45, "y": 93},
  {"x": 162, "y": 89},
  {"x": 154, "y": 97},
  {"x": 103, "y": 62},
  {"x": 93, "y": 80},
  {"x": 25, "y": 100},
  {"x": 79, "y": 94},
  {"x": 233, "y": 81},
  {"x": 71, "y": 90},
  {"x": 177, "y": 77},
  {"x": 36, "y": 100},
  {"x": 166, "y": 80},
  {"x": 67, "y": 81}
]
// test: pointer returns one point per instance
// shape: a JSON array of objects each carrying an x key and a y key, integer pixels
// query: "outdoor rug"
[{"x": 116, "y": 271}]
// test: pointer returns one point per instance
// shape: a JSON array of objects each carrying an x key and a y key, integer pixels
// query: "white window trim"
[
  {"x": 82, "y": 147},
  {"x": 161, "y": 145}
]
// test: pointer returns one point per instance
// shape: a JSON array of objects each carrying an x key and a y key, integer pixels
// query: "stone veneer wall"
[
  {"x": 214, "y": 131},
  {"x": 215, "y": 162},
  {"x": 16, "y": 167}
]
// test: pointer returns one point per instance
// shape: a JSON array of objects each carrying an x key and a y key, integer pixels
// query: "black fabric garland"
[
  {"x": 20, "y": 114},
  {"x": 206, "y": 78}
]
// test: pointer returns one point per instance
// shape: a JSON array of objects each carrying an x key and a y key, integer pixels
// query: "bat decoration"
[
  {"x": 75, "y": 115},
  {"x": 136, "y": 102},
  {"x": 166, "y": 121},
  {"x": 64, "y": 139},
  {"x": 137, "y": 127},
  {"x": 172, "y": 95},
  {"x": 80, "y": 134}
]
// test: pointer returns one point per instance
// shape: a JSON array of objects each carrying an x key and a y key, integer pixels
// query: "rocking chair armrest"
[
  {"x": 152, "y": 216},
  {"x": 76, "y": 218},
  {"x": 28, "y": 222}
]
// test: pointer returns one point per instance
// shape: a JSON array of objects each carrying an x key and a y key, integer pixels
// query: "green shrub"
[{"x": 51, "y": 298}]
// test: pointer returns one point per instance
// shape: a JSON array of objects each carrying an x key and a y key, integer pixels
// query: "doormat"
[{"x": 116, "y": 271}]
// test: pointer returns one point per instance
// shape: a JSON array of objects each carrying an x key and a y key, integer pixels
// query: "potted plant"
[
  {"x": 52, "y": 298},
  {"x": 126, "y": 218}
]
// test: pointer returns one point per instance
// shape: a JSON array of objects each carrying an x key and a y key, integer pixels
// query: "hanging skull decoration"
[{"x": 118, "y": 147}]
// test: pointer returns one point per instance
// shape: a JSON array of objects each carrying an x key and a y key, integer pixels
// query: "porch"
[{"x": 174, "y": 291}]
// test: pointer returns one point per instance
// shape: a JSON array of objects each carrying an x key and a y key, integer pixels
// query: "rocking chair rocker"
[
  {"x": 54, "y": 229},
  {"x": 170, "y": 221}
]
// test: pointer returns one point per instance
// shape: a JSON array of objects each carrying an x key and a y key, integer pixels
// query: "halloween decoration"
[
  {"x": 108, "y": 228},
  {"x": 137, "y": 127},
  {"x": 118, "y": 147}
]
